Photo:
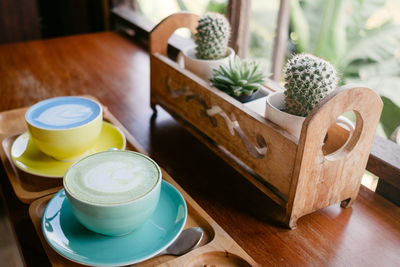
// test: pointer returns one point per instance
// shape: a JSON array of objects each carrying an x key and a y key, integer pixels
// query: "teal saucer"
[{"x": 76, "y": 243}]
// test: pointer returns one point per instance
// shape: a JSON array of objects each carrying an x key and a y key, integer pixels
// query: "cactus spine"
[
  {"x": 213, "y": 32},
  {"x": 308, "y": 79}
]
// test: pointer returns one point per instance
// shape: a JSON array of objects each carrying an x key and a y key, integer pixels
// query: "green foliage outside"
[
  {"x": 340, "y": 31},
  {"x": 366, "y": 53}
]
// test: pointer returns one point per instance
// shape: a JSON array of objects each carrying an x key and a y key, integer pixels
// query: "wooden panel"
[
  {"x": 19, "y": 20},
  {"x": 67, "y": 17},
  {"x": 319, "y": 180},
  {"x": 192, "y": 98},
  {"x": 383, "y": 161}
]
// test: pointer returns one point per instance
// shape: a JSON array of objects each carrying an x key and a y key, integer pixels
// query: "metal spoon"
[{"x": 185, "y": 242}]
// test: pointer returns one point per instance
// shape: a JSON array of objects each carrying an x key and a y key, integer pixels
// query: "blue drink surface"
[{"x": 63, "y": 112}]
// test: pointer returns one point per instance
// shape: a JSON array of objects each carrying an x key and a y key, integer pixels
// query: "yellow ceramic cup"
[{"x": 65, "y": 127}]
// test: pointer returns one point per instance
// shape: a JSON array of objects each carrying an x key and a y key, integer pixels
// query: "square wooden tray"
[
  {"x": 28, "y": 187},
  {"x": 217, "y": 248}
]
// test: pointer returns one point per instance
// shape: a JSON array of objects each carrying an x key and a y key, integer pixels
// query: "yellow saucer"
[{"x": 27, "y": 156}]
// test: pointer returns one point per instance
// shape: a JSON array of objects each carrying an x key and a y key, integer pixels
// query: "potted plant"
[
  {"x": 240, "y": 79},
  {"x": 211, "y": 50},
  {"x": 308, "y": 79}
]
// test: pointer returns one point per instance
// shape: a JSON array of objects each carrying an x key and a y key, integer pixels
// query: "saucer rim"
[
  {"x": 13, "y": 159},
  {"x": 152, "y": 255}
]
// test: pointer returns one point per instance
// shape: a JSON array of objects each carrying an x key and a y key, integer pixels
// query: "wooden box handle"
[
  {"x": 318, "y": 180},
  {"x": 160, "y": 34},
  {"x": 367, "y": 107}
]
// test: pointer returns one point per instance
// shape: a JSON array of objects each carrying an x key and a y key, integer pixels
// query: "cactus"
[
  {"x": 308, "y": 79},
  {"x": 213, "y": 32},
  {"x": 239, "y": 78}
]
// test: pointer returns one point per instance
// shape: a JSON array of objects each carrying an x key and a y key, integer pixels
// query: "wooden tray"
[
  {"x": 217, "y": 248},
  {"x": 28, "y": 187}
]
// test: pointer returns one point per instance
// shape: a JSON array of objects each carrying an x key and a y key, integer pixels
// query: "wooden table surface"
[{"x": 116, "y": 71}]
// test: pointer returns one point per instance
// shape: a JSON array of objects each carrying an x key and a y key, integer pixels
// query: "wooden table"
[{"x": 115, "y": 70}]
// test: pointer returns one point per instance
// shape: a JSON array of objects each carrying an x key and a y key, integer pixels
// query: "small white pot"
[
  {"x": 292, "y": 123},
  {"x": 201, "y": 67}
]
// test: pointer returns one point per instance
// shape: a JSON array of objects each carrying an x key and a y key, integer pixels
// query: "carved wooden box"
[{"x": 301, "y": 175}]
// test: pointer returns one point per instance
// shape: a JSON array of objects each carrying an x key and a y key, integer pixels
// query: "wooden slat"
[
  {"x": 19, "y": 21},
  {"x": 384, "y": 161},
  {"x": 239, "y": 17},
  {"x": 281, "y": 36},
  {"x": 322, "y": 180}
]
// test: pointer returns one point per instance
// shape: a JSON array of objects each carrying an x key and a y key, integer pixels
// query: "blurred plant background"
[
  {"x": 264, "y": 15},
  {"x": 156, "y": 10},
  {"x": 360, "y": 37}
]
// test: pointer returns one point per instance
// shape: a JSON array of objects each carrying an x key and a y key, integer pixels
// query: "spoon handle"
[{"x": 186, "y": 241}]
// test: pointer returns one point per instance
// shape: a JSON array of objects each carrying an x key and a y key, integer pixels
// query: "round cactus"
[
  {"x": 308, "y": 79},
  {"x": 212, "y": 36}
]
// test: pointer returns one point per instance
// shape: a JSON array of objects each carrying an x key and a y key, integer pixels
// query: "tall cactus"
[
  {"x": 213, "y": 32},
  {"x": 308, "y": 79}
]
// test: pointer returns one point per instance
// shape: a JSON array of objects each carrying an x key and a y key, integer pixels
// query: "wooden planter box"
[{"x": 301, "y": 175}]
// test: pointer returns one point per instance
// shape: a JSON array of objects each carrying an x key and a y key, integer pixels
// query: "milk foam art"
[
  {"x": 62, "y": 112},
  {"x": 112, "y": 178}
]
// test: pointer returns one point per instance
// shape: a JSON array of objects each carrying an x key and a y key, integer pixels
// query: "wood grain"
[
  {"x": 117, "y": 72},
  {"x": 19, "y": 21},
  {"x": 168, "y": 27},
  {"x": 214, "y": 242},
  {"x": 295, "y": 174},
  {"x": 277, "y": 164},
  {"x": 28, "y": 187},
  {"x": 322, "y": 180}
]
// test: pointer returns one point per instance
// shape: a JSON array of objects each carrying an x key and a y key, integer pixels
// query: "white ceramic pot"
[
  {"x": 201, "y": 67},
  {"x": 292, "y": 123}
]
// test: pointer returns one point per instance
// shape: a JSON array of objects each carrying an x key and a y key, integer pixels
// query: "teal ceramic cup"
[{"x": 113, "y": 192}]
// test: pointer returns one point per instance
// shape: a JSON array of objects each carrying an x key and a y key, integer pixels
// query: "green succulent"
[
  {"x": 239, "y": 77},
  {"x": 308, "y": 79},
  {"x": 213, "y": 32}
]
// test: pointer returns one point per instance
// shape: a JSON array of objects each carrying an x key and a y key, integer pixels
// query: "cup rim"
[
  {"x": 156, "y": 184},
  {"x": 186, "y": 51},
  {"x": 277, "y": 109},
  {"x": 66, "y": 129}
]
